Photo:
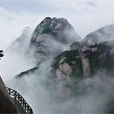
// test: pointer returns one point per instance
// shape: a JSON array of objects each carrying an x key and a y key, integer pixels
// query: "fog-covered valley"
[
  {"x": 60, "y": 61},
  {"x": 50, "y": 92}
]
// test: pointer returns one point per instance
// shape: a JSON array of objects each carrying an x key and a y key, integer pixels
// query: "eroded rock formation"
[
  {"x": 87, "y": 60},
  {"x": 51, "y": 37}
]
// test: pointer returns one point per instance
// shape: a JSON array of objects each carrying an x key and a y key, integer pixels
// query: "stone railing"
[{"x": 18, "y": 99}]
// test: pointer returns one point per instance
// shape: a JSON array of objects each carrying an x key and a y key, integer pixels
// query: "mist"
[
  {"x": 42, "y": 92},
  {"x": 46, "y": 95}
]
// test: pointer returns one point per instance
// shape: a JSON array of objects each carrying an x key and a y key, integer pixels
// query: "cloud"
[
  {"x": 25, "y": 5},
  {"x": 12, "y": 24},
  {"x": 46, "y": 96},
  {"x": 85, "y": 15}
]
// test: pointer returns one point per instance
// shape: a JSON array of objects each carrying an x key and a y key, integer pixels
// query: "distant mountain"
[
  {"x": 21, "y": 44},
  {"x": 60, "y": 28},
  {"x": 103, "y": 34}
]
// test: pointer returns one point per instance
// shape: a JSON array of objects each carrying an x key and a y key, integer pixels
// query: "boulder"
[
  {"x": 64, "y": 71},
  {"x": 6, "y": 103}
]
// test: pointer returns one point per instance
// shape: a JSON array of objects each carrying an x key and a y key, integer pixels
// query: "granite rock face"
[
  {"x": 87, "y": 60},
  {"x": 51, "y": 36},
  {"x": 58, "y": 27}
]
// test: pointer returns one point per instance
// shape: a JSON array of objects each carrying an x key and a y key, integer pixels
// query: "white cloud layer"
[{"x": 12, "y": 24}]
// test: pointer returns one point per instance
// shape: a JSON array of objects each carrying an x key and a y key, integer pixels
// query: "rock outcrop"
[
  {"x": 86, "y": 61},
  {"x": 6, "y": 103},
  {"x": 51, "y": 36},
  {"x": 64, "y": 70}
]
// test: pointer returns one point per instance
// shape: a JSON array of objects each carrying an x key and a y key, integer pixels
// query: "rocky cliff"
[
  {"x": 86, "y": 57},
  {"x": 85, "y": 61},
  {"x": 51, "y": 36}
]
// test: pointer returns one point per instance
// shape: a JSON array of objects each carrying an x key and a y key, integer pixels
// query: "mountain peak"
[{"x": 52, "y": 34}]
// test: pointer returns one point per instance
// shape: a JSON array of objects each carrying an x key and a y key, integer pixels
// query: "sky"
[{"x": 84, "y": 15}]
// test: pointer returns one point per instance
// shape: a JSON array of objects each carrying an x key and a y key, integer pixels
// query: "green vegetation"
[
  {"x": 70, "y": 57},
  {"x": 105, "y": 64},
  {"x": 46, "y": 29},
  {"x": 98, "y": 61}
]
